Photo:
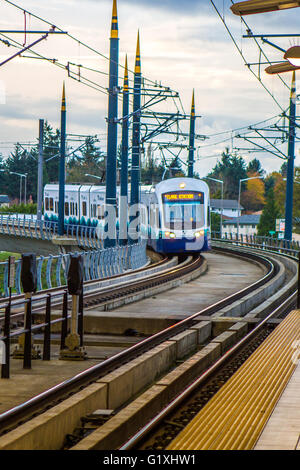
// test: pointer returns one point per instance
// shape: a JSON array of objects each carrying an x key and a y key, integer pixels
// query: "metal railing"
[
  {"x": 98, "y": 264},
  {"x": 263, "y": 243}
]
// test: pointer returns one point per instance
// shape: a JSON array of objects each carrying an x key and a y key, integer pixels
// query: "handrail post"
[
  {"x": 64, "y": 324},
  {"x": 5, "y": 370},
  {"x": 25, "y": 348},
  {"x": 74, "y": 350},
  {"x": 47, "y": 331},
  {"x": 28, "y": 332}
]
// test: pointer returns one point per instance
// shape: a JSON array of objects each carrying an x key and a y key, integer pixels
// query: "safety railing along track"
[{"x": 87, "y": 377}]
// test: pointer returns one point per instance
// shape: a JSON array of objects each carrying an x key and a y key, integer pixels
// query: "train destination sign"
[{"x": 181, "y": 196}]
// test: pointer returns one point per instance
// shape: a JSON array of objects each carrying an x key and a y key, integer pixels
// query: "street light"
[
  {"x": 94, "y": 176},
  {"x": 21, "y": 176},
  {"x": 222, "y": 198},
  {"x": 251, "y": 7},
  {"x": 281, "y": 68},
  {"x": 244, "y": 179},
  {"x": 293, "y": 55}
]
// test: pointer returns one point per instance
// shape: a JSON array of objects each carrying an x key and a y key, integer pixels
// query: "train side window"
[
  {"x": 208, "y": 216},
  {"x": 93, "y": 210},
  {"x": 56, "y": 207},
  {"x": 51, "y": 204},
  {"x": 84, "y": 212},
  {"x": 66, "y": 208},
  {"x": 46, "y": 203},
  {"x": 76, "y": 209},
  {"x": 100, "y": 211}
]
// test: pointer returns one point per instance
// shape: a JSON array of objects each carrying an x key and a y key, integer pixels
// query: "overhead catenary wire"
[{"x": 243, "y": 56}]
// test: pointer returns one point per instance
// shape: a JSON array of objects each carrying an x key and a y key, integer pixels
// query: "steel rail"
[
  {"x": 144, "y": 432},
  {"x": 71, "y": 386}
]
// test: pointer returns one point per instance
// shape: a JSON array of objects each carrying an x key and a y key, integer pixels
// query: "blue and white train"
[{"x": 175, "y": 213}]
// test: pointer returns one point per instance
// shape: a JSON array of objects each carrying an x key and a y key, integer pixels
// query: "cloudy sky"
[{"x": 184, "y": 45}]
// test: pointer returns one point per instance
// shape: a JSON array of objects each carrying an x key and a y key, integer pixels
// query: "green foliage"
[
  {"x": 230, "y": 169},
  {"x": 254, "y": 167},
  {"x": 269, "y": 215},
  {"x": 215, "y": 221},
  {"x": 151, "y": 171},
  {"x": 19, "y": 209},
  {"x": 90, "y": 160}
]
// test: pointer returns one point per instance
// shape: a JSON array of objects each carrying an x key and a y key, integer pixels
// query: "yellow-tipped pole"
[
  {"x": 114, "y": 21},
  {"x": 137, "y": 68},
  {"x": 193, "y": 104},
  {"x": 63, "y": 101}
]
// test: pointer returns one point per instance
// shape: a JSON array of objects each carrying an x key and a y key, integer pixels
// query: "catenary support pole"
[
  {"x": 112, "y": 135},
  {"x": 123, "y": 235},
  {"x": 40, "y": 171},
  {"x": 290, "y": 164}
]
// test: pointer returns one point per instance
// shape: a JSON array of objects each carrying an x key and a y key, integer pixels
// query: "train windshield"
[{"x": 183, "y": 210}]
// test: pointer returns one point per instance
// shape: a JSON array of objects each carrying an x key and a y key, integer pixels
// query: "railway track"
[{"x": 57, "y": 394}]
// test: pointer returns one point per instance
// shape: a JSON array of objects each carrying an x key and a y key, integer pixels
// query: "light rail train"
[{"x": 174, "y": 214}]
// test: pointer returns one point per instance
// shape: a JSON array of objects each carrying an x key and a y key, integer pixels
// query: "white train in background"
[{"x": 174, "y": 214}]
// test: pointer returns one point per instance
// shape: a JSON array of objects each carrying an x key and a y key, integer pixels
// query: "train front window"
[{"x": 183, "y": 210}]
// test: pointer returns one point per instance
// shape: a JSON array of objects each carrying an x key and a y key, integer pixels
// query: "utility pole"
[
  {"x": 61, "y": 197},
  {"x": 40, "y": 171},
  {"x": 192, "y": 139},
  {"x": 123, "y": 235},
  {"x": 112, "y": 135},
  {"x": 290, "y": 164},
  {"x": 136, "y": 128}
]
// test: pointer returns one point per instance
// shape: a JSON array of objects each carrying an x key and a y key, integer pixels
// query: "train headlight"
[
  {"x": 199, "y": 234},
  {"x": 170, "y": 235}
]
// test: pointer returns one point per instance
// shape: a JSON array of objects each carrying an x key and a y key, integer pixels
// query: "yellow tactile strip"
[{"x": 234, "y": 418}]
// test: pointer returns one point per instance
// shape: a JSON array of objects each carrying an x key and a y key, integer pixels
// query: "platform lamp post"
[
  {"x": 112, "y": 135},
  {"x": 222, "y": 199},
  {"x": 251, "y": 7},
  {"x": 241, "y": 180},
  {"x": 290, "y": 164}
]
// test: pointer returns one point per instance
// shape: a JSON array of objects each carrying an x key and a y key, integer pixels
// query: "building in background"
[
  {"x": 247, "y": 225},
  {"x": 231, "y": 207},
  {"x": 4, "y": 200}
]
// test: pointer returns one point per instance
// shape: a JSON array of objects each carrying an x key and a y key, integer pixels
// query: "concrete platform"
[
  {"x": 225, "y": 275},
  {"x": 282, "y": 432},
  {"x": 25, "y": 384},
  {"x": 157, "y": 312}
]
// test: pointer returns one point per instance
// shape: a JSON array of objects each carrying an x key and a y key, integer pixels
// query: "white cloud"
[{"x": 183, "y": 44}]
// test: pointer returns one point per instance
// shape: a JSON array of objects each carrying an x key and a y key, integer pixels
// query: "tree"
[
  {"x": 151, "y": 171},
  {"x": 269, "y": 215},
  {"x": 253, "y": 198},
  {"x": 215, "y": 221},
  {"x": 254, "y": 167},
  {"x": 89, "y": 161},
  {"x": 230, "y": 169}
]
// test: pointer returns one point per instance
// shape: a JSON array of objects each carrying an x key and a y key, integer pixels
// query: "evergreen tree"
[
  {"x": 254, "y": 167},
  {"x": 269, "y": 215},
  {"x": 230, "y": 169}
]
